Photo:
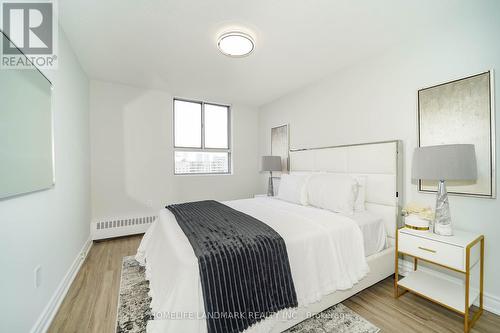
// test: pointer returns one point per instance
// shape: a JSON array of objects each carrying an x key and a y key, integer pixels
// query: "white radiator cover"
[{"x": 123, "y": 226}]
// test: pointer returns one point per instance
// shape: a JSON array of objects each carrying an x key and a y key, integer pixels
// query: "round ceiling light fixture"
[{"x": 236, "y": 44}]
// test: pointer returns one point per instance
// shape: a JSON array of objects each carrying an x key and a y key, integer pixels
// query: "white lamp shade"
[
  {"x": 271, "y": 163},
  {"x": 445, "y": 162}
]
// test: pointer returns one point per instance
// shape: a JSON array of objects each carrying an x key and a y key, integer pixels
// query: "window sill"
[{"x": 202, "y": 174}]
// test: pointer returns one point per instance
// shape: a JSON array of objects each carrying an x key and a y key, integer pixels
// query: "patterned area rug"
[
  {"x": 133, "y": 302},
  {"x": 134, "y": 310}
]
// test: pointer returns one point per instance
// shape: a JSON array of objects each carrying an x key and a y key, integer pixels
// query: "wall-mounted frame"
[
  {"x": 280, "y": 145},
  {"x": 461, "y": 111}
]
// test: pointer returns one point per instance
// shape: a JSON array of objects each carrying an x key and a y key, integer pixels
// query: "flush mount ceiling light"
[{"x": 236, "y": 44}]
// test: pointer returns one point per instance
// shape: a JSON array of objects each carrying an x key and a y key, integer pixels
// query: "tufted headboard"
[{"x": 379, "y": 162}]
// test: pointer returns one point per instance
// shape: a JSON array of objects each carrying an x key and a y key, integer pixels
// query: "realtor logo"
[{"x": 29, "y": 27}]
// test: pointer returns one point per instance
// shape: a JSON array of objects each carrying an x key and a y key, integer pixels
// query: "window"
[{"x": 201, "y": 138}]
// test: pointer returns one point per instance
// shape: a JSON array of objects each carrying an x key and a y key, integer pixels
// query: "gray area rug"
[{"x": 134, "y": 310}]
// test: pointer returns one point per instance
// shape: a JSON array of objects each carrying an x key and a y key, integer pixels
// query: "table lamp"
[
  {"x": 442, "y": 163},
  {"x": 271, "y": 163}
]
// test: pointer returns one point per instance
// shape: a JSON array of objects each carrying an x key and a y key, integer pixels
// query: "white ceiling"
[{"x": 171, "y": 44}]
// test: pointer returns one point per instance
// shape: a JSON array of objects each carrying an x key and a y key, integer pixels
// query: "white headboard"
[{"x": 379, "y": 162}]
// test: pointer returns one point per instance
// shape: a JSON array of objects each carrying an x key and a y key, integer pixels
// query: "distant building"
[{"x": 194, "y": 162}]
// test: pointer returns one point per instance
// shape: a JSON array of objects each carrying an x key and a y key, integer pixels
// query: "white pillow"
[
  {"x": 293, "y": 188},
  {"x": 359, "y": 203},
  {"x": 335, "y": 192}
]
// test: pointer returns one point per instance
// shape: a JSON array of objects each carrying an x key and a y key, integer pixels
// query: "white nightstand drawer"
[{"x": 440, "y": 253}]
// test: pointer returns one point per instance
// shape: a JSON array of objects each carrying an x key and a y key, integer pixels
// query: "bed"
[{"x": 332, "y": 256}]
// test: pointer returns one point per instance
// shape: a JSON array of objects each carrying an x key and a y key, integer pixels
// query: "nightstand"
[{"x": 463, "y": 253}]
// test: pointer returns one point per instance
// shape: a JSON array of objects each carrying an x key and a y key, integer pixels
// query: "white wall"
[
  {"x": 376, "y": 100},
  {"x": 49, "y": 228},
  {"x": 132, "y": 156}
]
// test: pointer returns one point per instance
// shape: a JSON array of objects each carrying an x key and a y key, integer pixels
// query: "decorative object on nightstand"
[
  {"x": 463, "y": 253},
  {"x": 271, "y": 163},
  {"x": 441, "y": 163},
  {"x": 417, "y": 217}
]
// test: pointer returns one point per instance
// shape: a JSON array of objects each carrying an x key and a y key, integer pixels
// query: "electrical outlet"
[{"x": 38, "y": 276}]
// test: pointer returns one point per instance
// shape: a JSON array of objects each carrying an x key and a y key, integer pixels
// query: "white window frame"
[{"x": 227, "y": 150}]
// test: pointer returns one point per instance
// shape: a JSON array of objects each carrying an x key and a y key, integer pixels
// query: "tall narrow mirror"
[{"x": 26, "y": 138}]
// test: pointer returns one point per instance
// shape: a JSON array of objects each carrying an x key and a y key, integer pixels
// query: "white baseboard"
[
  {"x": 491, "y": 302},
  {"x": 48, "y": 314}
]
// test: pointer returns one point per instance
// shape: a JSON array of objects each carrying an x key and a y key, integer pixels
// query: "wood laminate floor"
[{"x": 91, "y": 302}]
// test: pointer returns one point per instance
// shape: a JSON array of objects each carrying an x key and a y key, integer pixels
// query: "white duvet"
[{"x": 325, "y": 252}]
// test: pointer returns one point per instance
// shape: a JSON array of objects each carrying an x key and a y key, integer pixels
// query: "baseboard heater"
[{"x": 118, "y": 227}]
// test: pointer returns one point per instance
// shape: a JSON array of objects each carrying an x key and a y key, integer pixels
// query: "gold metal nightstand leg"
[
  {"x": 481, "y": 276},
  {"x": 479, "y": 312},
  {"x": 468, "y": 324},
  {"x": 396, "y": 278},
  {"x": 396, "y": 267},
  {"x": 467, "y": 280},
  {"x": 396, "y": 270}
]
